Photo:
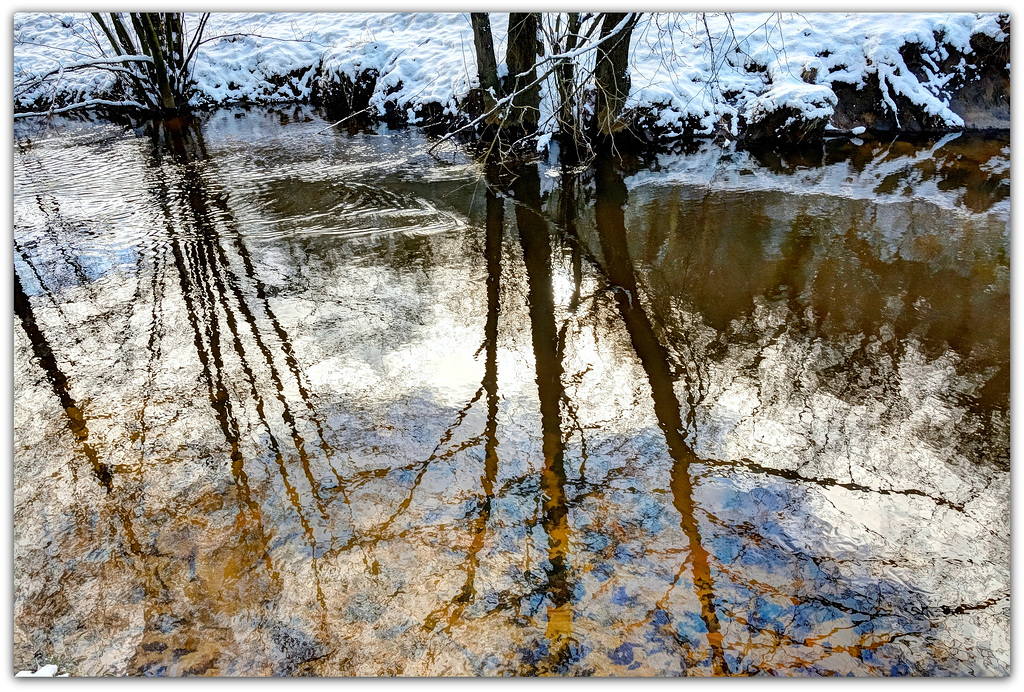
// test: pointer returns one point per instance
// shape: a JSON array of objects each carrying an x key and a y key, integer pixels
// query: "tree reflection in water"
[{"x": 709, "y": 430}]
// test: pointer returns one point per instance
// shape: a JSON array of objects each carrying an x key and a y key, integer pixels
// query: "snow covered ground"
[{"x": 692, "y": 71}]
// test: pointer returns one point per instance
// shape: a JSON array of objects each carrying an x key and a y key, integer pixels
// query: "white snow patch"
[
  {"x": 686, "y": 69},
  {"x": 47, "y": 671}
]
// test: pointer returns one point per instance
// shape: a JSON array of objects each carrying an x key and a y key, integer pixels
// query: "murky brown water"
[{"x": 290, "y": 403}]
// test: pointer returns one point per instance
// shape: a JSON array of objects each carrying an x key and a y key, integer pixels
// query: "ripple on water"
[{"x": 294, "y": 401}]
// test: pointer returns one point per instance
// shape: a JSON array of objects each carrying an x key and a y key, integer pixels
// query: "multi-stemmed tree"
[
  {"x": 150, "y": 55},
  {"x": 162, "y": 81},
  {"x": 585, "y": 56}
]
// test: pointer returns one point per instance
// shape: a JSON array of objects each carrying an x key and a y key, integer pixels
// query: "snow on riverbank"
[
  {"x": 694, "y": 73},
  {"x": 760, "y": 60}
]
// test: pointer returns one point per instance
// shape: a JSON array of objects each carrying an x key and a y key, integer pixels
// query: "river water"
[{"x": 291, "y": 401}]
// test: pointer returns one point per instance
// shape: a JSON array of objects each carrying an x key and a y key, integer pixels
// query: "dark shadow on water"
[
  {"x": 44, "y": 354},
  {"x": 534, "y": 237},
  {"x": 610, "y": 200}
]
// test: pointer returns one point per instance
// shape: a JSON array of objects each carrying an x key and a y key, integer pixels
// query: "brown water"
[{"x": 292, "y": 402}]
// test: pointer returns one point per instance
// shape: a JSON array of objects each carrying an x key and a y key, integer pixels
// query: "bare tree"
[
  {"x": 565, "y": 64},
  {"x": 565, "y": 83},
  {"x": 611, "y": 74},
  {"x": 486, "y": 64},
  {"x": 159, "y": 36},
  {"x": 151, "y": 54},
  {"x": 521, "y": 58}
]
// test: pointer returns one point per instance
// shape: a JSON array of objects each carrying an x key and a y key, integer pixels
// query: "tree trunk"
[
  {"x": 521, "y": 57},
  {"x": 151, "y": 22},
  {"x": 174, "y": 55},
  {"x": 122, "y": 34},
  {"x": 122, "y": 44},
  {"x": 486, "y": 65},
  {"x": 565, "y": 79},
  {"x": 98, "y": 18},
  {"x": 611, "y": 74}
]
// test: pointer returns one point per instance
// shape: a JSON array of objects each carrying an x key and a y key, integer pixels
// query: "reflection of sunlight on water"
[
  {"x": 563, "y": 288},
  {"x": 452, "y": 375}
]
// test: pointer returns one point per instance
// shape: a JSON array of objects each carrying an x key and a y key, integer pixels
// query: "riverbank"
[{"x": 752, "y": 77}]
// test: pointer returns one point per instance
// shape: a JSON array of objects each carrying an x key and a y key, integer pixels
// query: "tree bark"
[
  {"x": 98, "y": 18},
  {"x": 121, "y": 43},
  {"x": 611, "y": 74},
  {"x": 565, "y": 79},
  {"x": 486, "y": 64},
  {"x": 122, "y": 34},
  {"x": 151, "y": 22},
  {"x": 175, "y": 55},
  {"x": 521, "y": 58}
]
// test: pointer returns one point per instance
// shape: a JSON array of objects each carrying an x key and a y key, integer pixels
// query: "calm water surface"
[{"x": 293, "y": 402}]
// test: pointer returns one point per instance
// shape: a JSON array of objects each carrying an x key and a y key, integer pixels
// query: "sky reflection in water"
[{"x": 299, "y": 403}]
